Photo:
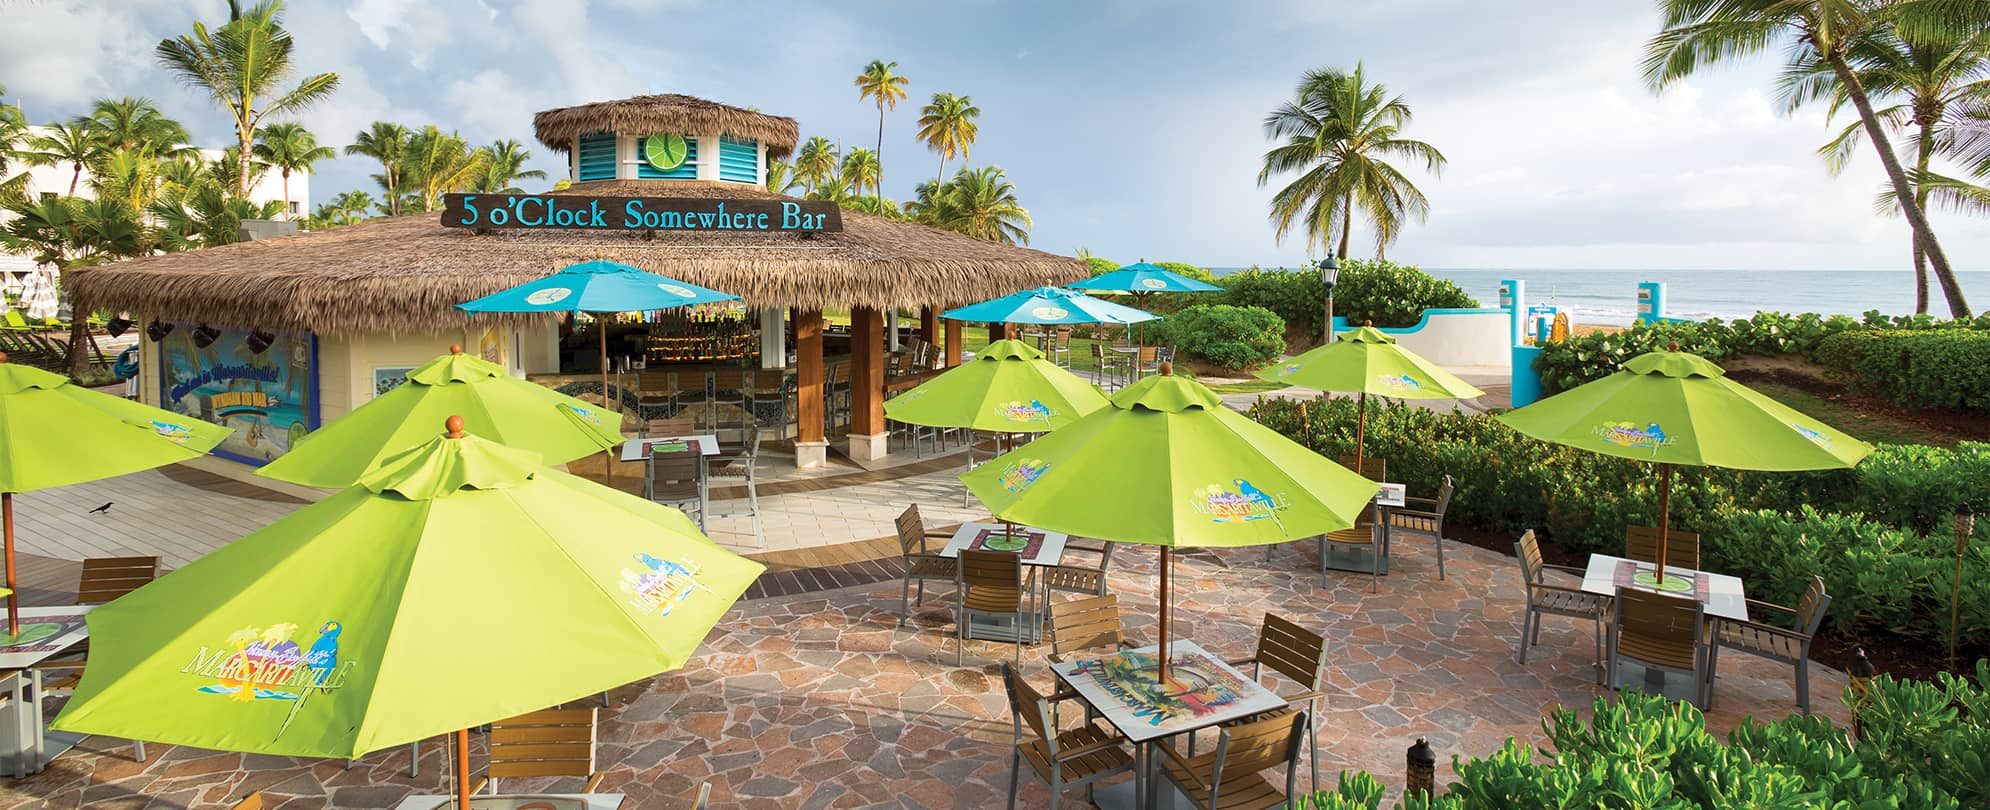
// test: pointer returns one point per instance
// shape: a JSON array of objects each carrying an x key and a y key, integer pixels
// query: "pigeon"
[{"x": 105, "y": 509}]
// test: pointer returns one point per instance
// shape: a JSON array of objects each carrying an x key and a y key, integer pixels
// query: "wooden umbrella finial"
[
  {"x": 455, "y": 348},
  {"x": 3, "y": 357},
  {"x": 1167, "y": 368},
  {"x": 1010, "y": 331},
  {"x": 454, "y": 425},
  {"x": 1368, "y": 323},
  {"x": 1672, "y": 346}
]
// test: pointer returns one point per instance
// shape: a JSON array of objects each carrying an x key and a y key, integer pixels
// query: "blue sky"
[{"x": 1130, "y": 128}]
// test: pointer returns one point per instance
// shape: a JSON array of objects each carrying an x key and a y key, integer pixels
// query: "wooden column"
[
  {"x": 997, "y": 331},
  {"x": 953, "y": 343},
  {"x": 811, "y": 450},
  {"x": 867, "y": 431},
  {"x": 929, "y": 325}
]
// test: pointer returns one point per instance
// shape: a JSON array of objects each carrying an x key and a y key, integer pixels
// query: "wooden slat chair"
[
  {"x": 1544, "y": 599},
  {"x": 1427, "y": 521},
  {"x": 674, "y": 426},
  {"x": 1229, "y": 777},
  {"x": 920, "y": 564},
  {"x": 1085, "y": 579},
  {"x": 678, "y": 479},
  {"x": 1060, "y": 347},
  {"x": 101, "y": 580},
  {"x": 1062, "y": 759},
  {"x": 1682, "y": 549},
  {"x": 1364, "y": 533},
  {"x": 1082, "y": 628},
  {"x": 548, "y": 742},
  {"x": 1300, "y": 655},
  {"x": 987, "y": 583},
  {"x": 1779, "y": 644},
  {"x": 656, "y": 394},
  {"x": 1661, "y": 632}
]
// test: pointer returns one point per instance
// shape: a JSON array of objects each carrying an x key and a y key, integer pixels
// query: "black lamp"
[
  {"x": 157, "y": 330},
  {"x": 1329, "y": 276},
  {"x": 119, "y": 325},
  {"x": 259, "y": 341},
  {"x": 204, "y": 336}
]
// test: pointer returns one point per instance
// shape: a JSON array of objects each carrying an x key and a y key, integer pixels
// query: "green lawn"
[{"x": 1247, "y": 387}]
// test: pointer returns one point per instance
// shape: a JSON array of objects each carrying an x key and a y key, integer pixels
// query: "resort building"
[{"x": 277, "y": 336}]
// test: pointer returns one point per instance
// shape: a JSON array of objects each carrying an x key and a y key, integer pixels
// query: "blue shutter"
[
  {"x": 688, "y": 170},
  {"x": 739, "y": 161},
  {"x": 597, "y": 157}
]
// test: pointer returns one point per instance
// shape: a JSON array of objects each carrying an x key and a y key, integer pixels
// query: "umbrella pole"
[
  {"x": 13, "y": 604},
  {"x": 1167, "y": 561},
  {"x": 462, "y": 769},
  {"x": 1360, "y": 432},
  {"x": 607, "y": 457},
  {"x": 1664, "y": 516}
]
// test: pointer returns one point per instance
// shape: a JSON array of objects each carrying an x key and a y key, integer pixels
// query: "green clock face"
[{"x": 665, "y": 151}]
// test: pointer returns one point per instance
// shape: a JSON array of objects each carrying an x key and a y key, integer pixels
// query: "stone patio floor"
[{"x": 819, "y": 700}]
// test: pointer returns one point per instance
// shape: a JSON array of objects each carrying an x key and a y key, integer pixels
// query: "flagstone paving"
[{"x": 818, "y": 700}]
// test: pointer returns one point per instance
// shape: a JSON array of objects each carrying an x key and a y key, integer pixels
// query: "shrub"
[
  {"x": 1926, "y": 368},
  {"x": 1391, "y": 294},
  {"x": 1188, "y": 271},
  {"x": 1294, "y": 295},
  {"x": 1239, "y": 338}
]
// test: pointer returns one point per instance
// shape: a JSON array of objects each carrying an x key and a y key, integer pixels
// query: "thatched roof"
[
  {"x": 406, "y": 274},
  {"x": 648, "y": 115}
]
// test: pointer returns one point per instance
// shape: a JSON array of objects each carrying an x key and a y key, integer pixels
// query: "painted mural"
[{"x": 263, "y": 385}]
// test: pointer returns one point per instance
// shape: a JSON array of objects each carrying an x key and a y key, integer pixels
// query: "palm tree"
[
  {"x": 345, "y": 209},
  {"x": 206, "y": 215},
  {"x": 68, "y": 233},
  {"x": 388, "y": 143},
  {"x": 860, "y": 170},
  {"x": 888, "y": 88},
  {"x": 1929, "y": 75},
  {"x": 977, "y": 202},
  {"x": 816, "y": 162},
  {"x": 947, "y": 126},
  {"x": 287, "y": 147},
  {"x": 243, "y": 63},
  {"x": 834, "y": 189},
  {"x": 440, "y": 162},
  {"x": 781, "y": 177},
  {"x": 75, "y": 143},
  {"x": 1339, "y": 134},
  {"x": 132, "y": 175},
  {"x": 1699, "y": 32},
  {"x": 226, "y": 171},
  {"x": 13, "y": 128},
  {"x": 134, "y": 122},
  {"x": 504, "y": 166}
]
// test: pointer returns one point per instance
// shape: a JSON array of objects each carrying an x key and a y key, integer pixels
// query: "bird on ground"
[{"x": 105, "y": 509}]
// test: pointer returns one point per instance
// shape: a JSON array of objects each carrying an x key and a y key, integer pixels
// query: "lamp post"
[
  {"x": 1329, "y": 276},
  {"x": 1965, "y": 525}
]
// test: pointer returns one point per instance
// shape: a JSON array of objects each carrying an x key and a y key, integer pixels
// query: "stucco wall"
[{"x": 1456, "y": 338}]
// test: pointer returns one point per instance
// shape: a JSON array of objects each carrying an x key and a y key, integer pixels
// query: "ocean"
[{"x": 1609, "y": 297}]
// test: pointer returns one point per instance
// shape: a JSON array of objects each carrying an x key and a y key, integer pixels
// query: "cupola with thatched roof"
[{"x": 666, "y": 138}]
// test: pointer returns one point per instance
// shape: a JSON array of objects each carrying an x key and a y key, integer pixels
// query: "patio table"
[
  {"x": 1041, "y": 549},
  {"x": 26, "y": 744},
  {"x": 640, "y": 449},
  {"x": 1722, "y": 594},
  {"x": 533, "y": 801},
  {"x": 1357, "y": 560},
  {"x": 1124, "y": 688}
]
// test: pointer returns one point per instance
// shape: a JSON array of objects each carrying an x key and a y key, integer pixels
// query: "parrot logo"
[
  {"x": 1815, "y": 437},
  {"x": 660, "y": 584},
  {"x": 1242, "y": 505},
  {"x": 1627, "y": 434},
  {"x": 1399, "y": 382},
  {"x": 265, "y": 663},
  {"x": 1033, "y": 411}
]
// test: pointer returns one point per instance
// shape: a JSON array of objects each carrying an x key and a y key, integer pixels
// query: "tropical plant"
[
  {"x": 70, "y": 232},
  {"x": 388, "y": 143},
  {"x": 225, "y": 171},
  {"x": 860, "y": 169},
  {"x": 132, "y": 175},
  {"x": 345, "y": 209},
  {"x": 74, "y": 143},
  {"x": 1338, "y": 134},
  {"x": 833, "y": 189},
  {"x": 438, "y": 163},
  {"x": 977, "y": 202},
  {"x": 207, "y": 214},
  {"x": 877, "y": 81},
  {"x": 947, "y": 125},
  {"x": 243, "y": 64},
  {"x": 504, "y": 165},
  {"x": 816, "y": 162},
  {"x": 1700, "y": 32},
  {"x": 781, "y": 177},
  {"x": 134, "y": 122},
  {"x": 1236, "y": 338},
  {"x": 288, "y": 147}
]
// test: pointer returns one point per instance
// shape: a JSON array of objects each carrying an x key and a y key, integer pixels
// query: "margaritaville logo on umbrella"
[
  {"x": 265, "y": 663},
  {"x": 172, "y": 431},
  {"x": 660, "y": 584},
  {"x": 1242, "y": 504},
  {"x": 1153, "y": 284},
  {"x": 1025, "y": 412},
  {"x": 1023, "y": 473},
  {"x": 1628, "y": 434},
  {"x": 1815, "y": 437},
  {"x": 1398, "y": 382}
]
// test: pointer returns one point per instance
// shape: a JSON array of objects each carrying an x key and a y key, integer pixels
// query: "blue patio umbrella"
[
  {"x": 1048, "y": 305},
  {"x": 1142, "y": 278}
]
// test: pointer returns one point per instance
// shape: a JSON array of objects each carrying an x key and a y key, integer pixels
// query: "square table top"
[
  {"x": 639, "y": 449},
  {"x": 1047, "y": 551},
  {"x": 1203, "y": 691},
  {"x": 1721, "y": 593},
  {"x": 1391, "y": 495},
  {"x": 49, "y": 630},
  {"x": 536, "y": 801}
]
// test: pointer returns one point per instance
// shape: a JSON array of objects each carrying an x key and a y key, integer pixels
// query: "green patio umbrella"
[
  {"x": 1168, "y": 465},
  {"x": 457, "y": 583},
  {"x": 493, "y": 404},
  {"x": 1007, "y": 388},
  {"x": 53, "y": 434},
  {"x": 1368, "y": 361},
  {"x": 1672, "y": 408}
]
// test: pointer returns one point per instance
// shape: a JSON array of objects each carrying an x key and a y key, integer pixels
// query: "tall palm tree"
[
  {"x": 816, "y": 162},
  {"x": 781, "y": 177},
  {"x": 833, "y": 189},
  {"x": 243, "y": 64},
  {"x": 504, "y": 165},
  {"x": 1929, "y": 76},
  {"x": 226, "y": 171},
  {"x": 134, "y": 122},
  {"x": 860, "y": 169},
  {"x": 388, "y": 143},
  {"x": 132, "y": 175},
  {"x": 878, "y": 82},
  {"x": 1701, "y": 32},
  {"x": 75, "y": 143},
  {"x": 13, "y": 129},
  {"x": 947, "y": 126},
  {"x": 1339, "y": 134},
  {"x": 440, "y": 162},
  {"x": 288, "y": 147},
  {"x": 980, "y": 203}
]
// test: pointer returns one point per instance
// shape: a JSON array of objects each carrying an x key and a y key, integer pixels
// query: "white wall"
[{"x": 1460, "y": 339}]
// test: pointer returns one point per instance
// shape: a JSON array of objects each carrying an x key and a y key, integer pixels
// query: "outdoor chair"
[
  {"x": 1364, "y": 534},
  {"x": 1544, "y": 599},
  {"x": 1062, "y": 759},
  {"x": 738, "y": 470},
  {"x": 656, "y": 395},
  {"x": 1150, "y": 362},
  {"x": 1427, "y": 521},
  {"x": 1089, "y": 626},
  {"x": 1110, "y": 364},
  {"x": 769, "y": 400},
  {"x": 1779, "y": 644},
  {"x": 1372, "y": 468},
  {"x": 668, "y": 428},
  {"x": 1682, "y": 549},
  {"x": 981, "y": 447},
  {"x": 987, "y": 583},
  {"x": 1060, "y": 347},
  {"x": 729, "y": 390},
  {"x": 1229, "y": 777},
  {"x": 678, "y": 479},
  {"x": 548, "y": 742},
  {"x": 1664, "y": 633},
  {"x": 920, "y": 564},
  {"x": 694, "y": 396},
  {"x": 1300, "y": 655},
  {"x": 101, "y": 580},
  {"x": 836, "y": 397},
  {"x": 1085, "y": 579}
]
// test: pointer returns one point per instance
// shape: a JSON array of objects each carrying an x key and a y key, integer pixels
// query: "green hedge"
[
  {"x": 1921, "y": 745},
  {"x": 1239, "y": 338},
  {"x": 1294, "y": 295},
  {"x": 1931, "y": 368},
  {"x": 1387, "y": 293}
]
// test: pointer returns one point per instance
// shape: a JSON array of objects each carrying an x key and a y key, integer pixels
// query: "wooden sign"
[{"x": 570, "y": 212}]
